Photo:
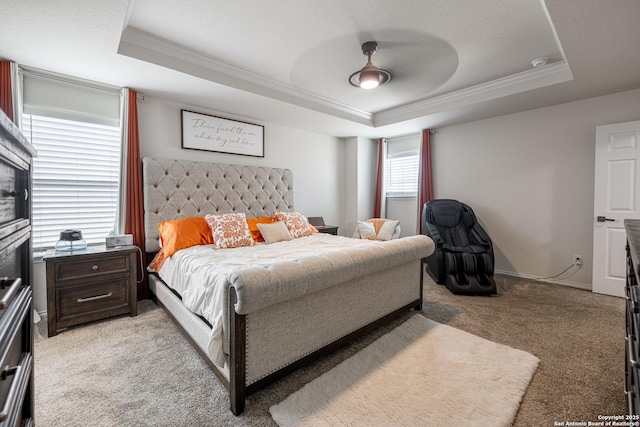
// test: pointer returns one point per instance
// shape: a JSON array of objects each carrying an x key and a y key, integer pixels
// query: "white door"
[{"x": 616, "y": 193}]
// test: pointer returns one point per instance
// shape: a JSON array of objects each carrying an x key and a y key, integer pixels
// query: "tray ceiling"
[{"x": 288, "y": 61}]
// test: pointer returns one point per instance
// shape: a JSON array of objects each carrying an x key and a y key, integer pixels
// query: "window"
[
  {"x": 75, "y": 178},
  {"x": 74, "y": 125},
  {"x": 402, "y": 166}
]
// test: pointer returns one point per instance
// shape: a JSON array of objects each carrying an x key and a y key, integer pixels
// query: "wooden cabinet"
[
  {"x": 16, "y": 267},
  {"x": 632, "y": 333},
  {"x": 90, "y": 284}
]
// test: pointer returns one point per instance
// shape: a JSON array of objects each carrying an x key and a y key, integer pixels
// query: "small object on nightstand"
[
  {"x": 71, "y": 240},
  {"x": 90, "y": 284},
  {"x": 318, "y": 222},
  {"x": 114, "y": 241},
  {"x": 329, "y": 229}
]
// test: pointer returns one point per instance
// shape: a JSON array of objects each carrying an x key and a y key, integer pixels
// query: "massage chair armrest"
[
  {"x": 480, "y": 236},
  {"x": 432, "y": 232}
]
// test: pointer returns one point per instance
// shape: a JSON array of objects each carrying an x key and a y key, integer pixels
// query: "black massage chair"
[{"x": 463, "y": 259}]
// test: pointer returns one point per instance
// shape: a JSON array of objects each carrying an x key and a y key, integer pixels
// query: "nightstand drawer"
[
  {"x": 96, "y": 298},
  {"x": 83, "y": 269}
]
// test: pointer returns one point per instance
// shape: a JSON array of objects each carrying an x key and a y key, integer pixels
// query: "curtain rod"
[{"x": 431, "y": 132}]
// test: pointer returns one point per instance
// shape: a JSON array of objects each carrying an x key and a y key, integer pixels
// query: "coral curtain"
[
  {"x": 425, "y": 181},
  {"x": 6, "y": 91},
  {"x": 134, "y": 210},
  {"x": 377, "y": 206}
]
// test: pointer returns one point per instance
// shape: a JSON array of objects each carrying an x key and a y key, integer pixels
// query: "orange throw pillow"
[
  {"x": 253, "y": 226},
  {"x": 183, "y": 233}
]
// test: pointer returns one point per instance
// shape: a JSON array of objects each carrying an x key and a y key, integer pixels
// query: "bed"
[{"x": 281, "y": 310}]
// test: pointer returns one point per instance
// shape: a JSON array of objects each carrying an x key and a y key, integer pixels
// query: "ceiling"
[{"x": 288, "y": 61}]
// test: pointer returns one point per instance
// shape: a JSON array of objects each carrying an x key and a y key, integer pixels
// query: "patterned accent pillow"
[
  {"x": 229, "y": 230},
  {"x": 295, "y": 222}
]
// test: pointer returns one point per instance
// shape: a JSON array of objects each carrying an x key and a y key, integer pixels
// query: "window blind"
[
  {"x": 55, "y": 96},
  {"x": 402, "y": 176},
  {"x": 75, "y": 179},
  {"x": 402, "y": 166}
]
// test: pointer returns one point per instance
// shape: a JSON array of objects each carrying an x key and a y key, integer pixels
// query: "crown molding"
[
  {"x": 527, "y": 80},
  {"x": 140, "y": 45}
]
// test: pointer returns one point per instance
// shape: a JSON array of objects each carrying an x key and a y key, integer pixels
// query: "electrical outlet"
[{"x": 577, "y": 260}]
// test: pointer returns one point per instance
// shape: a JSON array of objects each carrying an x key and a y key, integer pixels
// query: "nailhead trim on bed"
[{"x": 181, "y": 188}]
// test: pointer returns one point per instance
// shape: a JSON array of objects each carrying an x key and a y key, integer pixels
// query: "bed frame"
[{"x": 177, "y": 188}]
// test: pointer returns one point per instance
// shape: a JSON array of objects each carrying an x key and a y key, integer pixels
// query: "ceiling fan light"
[
  {"x": 369, "y": 83},
  {"x": 369, "y": 77}
]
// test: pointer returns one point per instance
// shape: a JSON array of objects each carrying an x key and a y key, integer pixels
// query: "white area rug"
[{"x": 421, "y": 373}]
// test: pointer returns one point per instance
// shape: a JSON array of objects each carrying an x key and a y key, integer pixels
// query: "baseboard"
[{"x": 540, "y": 279}]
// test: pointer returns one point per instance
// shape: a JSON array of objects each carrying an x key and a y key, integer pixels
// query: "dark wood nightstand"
[
  {"x": 90, "y": 284},
  {"x": 329, "y": 229}
]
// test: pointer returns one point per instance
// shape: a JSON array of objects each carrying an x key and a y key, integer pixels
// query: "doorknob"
[{"x": 603, "y": 219}]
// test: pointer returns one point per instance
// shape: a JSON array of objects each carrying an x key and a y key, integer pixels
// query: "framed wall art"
[{"x": 211, "y": 133}]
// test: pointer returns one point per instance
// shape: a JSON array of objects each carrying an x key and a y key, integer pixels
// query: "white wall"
[
  {"x": 360, "y": 163},
  {"x": 316, "y": 160},
  {"x": 405, "y": 210},
  {"x": 529, "y": 177}
]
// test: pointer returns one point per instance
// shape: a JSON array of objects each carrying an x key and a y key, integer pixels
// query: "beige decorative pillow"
[
  {"x": 387, "y": 230},
  {"x": 274, "y": 232},
  {"x": 229, "y": 230},
  {"x": 295, "y": 222},
  {"x": 366, "y": 231}
]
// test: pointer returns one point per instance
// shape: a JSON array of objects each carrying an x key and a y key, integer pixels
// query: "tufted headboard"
[{"x": 181, "y": 188}]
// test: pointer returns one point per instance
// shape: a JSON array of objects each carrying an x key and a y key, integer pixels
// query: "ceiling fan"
[{"x": 369, "y": 76}]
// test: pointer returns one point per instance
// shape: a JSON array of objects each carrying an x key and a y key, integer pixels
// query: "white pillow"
[
  {"x": 274, "y": 232},
  {"x": 366, "y": 230},
  {"x": 387, "y": 230}
]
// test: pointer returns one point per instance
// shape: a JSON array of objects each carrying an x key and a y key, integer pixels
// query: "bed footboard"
[{"x": 270, "y": 344}]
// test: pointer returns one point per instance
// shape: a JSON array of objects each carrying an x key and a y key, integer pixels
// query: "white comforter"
[{"x": 199, "y": 274}]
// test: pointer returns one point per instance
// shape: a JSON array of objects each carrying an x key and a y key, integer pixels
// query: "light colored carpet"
[
  {"x": 141, "y": 371},
  {"x": 421, "y": 373}
]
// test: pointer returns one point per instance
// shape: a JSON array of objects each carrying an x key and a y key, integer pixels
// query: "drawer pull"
[
  {"x": 11, "y": 293},
  {"x": 94, "y": 268},
  {"x": 87, "y": 299},
  {"x": 19, "y": 373}
]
